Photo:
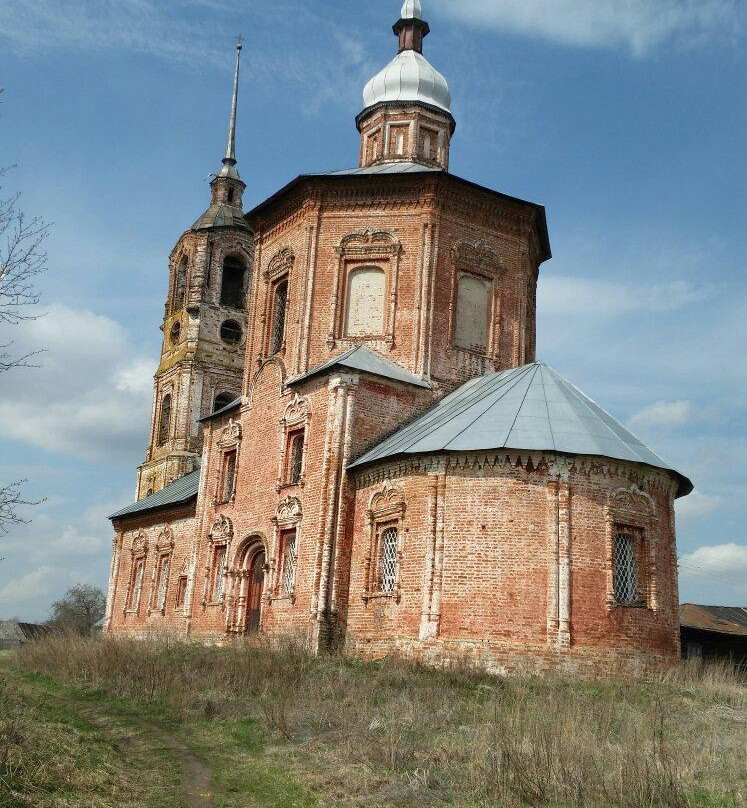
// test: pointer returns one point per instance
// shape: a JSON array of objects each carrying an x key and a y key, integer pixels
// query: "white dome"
[
  {"x": 412, "y": 10},
  {"x": 409, "y": 77}
]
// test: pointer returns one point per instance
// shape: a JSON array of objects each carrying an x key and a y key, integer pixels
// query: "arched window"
[
  {"x": 279, "y": 308},
  {"x": 472, "y": 313},
  {"x": 365, "y": 302},
  {"x": 232, "y": 283},
  {"x": 180, "y": 287},
  {"x": 164, "y": 421},
  {"x": 223, "y": 400}
]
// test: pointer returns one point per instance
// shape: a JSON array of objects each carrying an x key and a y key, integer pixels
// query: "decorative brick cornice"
[{"x": 546, "y": 463}]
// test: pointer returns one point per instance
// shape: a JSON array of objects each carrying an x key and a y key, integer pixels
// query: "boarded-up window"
[
  {"x": 365, "y": 302},
  {"x": 472, "y": 313}
]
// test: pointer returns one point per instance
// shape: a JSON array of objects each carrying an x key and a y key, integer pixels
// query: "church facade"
[{"x": 352, "y": 441}]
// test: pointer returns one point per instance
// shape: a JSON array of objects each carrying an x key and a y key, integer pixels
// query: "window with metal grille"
[
  {"x": 289, "y": 561},
  {"x": 163, "y": 582},
  {"x": 388, "y": 560},
  {"x": 164, "y": 422},
  {"x": 137, "y": 584},
  {"x": 231, "y": 333},
  {"x": 279, "y": 308},
  {"x": 624, "y": 568},
  {"x": 295, "y": 457},
  {"x": 229, "y": 476},
  {"x": 219, "y": 564}
]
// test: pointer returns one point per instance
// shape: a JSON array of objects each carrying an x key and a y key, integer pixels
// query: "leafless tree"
[
  {"x": 22, "y": 261},
  {"x": 11, "y": 499}
]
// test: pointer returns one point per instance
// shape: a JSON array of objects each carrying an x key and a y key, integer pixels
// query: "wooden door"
[{"x": 256, "y": 586}]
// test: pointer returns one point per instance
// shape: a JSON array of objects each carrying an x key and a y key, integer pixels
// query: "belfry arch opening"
[{"x": 233, "y": 282}]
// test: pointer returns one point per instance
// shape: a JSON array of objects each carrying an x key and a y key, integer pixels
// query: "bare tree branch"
[
  {"x": 22, "y": 258},
  {"x": 11, "y": 501}
]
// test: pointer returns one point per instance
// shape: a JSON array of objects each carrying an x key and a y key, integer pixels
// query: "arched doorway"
[{"x": 255, "y": 588}]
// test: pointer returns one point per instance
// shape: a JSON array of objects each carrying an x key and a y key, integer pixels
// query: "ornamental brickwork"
[{"x": 514, "y": 560}]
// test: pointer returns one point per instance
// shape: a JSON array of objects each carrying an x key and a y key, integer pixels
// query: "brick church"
[{"x": 352, "y": 441}]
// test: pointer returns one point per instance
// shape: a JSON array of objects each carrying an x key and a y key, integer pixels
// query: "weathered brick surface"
[{"x": 506, "y": 562}]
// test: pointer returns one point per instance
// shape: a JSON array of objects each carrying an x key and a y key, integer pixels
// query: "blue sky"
[{"x": 626, "y": 119}]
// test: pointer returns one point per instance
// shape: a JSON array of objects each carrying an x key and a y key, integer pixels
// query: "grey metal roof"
[
  {"x": 177, "y": 493},
  {"x": 527, "y": 408},
  {"x": 223, "y": 410},
  {"x": 400, "y": 167},
  {"x": 221, "y": 215},
  {"x": 364, "y": 359}
]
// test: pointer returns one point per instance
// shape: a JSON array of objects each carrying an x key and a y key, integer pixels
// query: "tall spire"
[{"x": 229, "y": 161}]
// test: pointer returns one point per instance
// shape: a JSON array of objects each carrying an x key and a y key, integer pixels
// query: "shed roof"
[
  {"x": 528, "y": 408},
  {"x": 15, "y": 631},
  {"x": 223, "y": 410},
  {"x": 364, "y": 359},
  {"x": 721, "y": 619},
  {"x": 176, "y": 493}
]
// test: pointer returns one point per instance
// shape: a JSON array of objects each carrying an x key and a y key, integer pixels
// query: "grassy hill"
[{"x": 109, "y": 724}]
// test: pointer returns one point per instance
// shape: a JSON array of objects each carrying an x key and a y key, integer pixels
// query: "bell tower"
[{"x": 204, "y": 324}]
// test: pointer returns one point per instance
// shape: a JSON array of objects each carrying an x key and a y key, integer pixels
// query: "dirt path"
[
  {"x": 197, "y": 780},
  {"x": 196, "y": 785}
]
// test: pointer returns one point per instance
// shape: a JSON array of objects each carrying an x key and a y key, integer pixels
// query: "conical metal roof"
[{"x": 531, "y": 408}]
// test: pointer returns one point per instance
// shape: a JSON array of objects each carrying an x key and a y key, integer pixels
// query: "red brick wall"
[
  {"x": 497, "y": 560},
  {"x": 155, "y": 532}
]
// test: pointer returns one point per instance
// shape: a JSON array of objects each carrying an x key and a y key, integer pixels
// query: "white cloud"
[
  {"x": 636, "y": 25},
  {"x": 26, "y": 589},
  {"x": 725, "y": 563},
  {"x": 579, "y": 295},
  {"x": 91, "y": 396},
  {"x": 136, "y": 377},
  {"x": 663, "y": 414},
  {"x": 696, "y": 506},
  {"x": 199, "y": 34}
]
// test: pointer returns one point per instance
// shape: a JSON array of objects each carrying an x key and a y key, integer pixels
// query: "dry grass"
[{"x": 391, "y": 734}]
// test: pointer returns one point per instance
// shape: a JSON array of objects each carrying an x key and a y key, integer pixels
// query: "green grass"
[
  {"x": 80, "y": 747},
  {"x": 278, "y": 729}
]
